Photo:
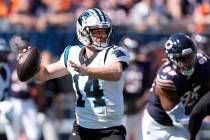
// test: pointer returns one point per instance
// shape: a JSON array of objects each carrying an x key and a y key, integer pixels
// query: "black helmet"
[
  {"x": 181, "y": 52},
  {"x": 4, "y": 50}
]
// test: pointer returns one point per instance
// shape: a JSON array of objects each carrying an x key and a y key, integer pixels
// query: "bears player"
[
  {"x": 136, "y": 87},
  {"x": 5, "y": 72},
  {"x": 180, "y": 82},
  {"x": 199, "y": 112},
  {"x": 18, "y": 110},
  {"x": 5, "y": 79},
  {"x": 97, "y": 71}
]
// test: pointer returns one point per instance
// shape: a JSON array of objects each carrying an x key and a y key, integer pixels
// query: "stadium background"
[{"x": 50, "y": 26}]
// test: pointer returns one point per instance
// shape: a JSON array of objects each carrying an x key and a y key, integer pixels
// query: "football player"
[
  {"x": 5, "y": 75},
  {"x": 180, "y": 82},
  {"x": 136, "y": 86},
  {"x": 5, "y": 72},
  {"x": 19, "y": 112},
  {"x": 199, "y": 112},
  {"x": 97, "y": 69}
]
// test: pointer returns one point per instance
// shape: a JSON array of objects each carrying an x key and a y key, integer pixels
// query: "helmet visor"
[{"x": 185, "y": 63}]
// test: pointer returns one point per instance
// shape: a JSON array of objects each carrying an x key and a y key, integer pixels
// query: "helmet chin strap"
[
  {"x": 187, "y": 73},
  {"x": 99, "y": 46},
  {"x": 103, "y": 45}
]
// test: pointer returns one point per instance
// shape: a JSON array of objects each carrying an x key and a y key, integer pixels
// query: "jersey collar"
[{"x": 83, "y": 57}]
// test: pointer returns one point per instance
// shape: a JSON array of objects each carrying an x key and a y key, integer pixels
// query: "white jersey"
[
  {"x": 5, "y": 75},
  {"x": 99, "y": 102}
]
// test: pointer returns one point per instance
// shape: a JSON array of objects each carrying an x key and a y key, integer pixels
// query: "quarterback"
[{"x": 97, "y": 69}]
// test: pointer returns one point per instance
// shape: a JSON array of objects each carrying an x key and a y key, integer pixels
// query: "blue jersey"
[
  {"x": 21, "y": 90},
  {"x": 5, "y": 74},
  {"x": 189, "y": 90}
]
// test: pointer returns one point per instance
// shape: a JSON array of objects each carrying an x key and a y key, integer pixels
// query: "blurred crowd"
[
  {"x": 139, "y": 15},
  {"x": 30, "y": 109}
]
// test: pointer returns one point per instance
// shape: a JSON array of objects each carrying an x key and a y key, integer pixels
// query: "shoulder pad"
[
  {"x": 115, "y": 47},
  {"x": 165, "y": 78},
  {"x": 66, "y": 55},
  {"x": 67, "y": 51},
  {"x": 119, "y": 51}
]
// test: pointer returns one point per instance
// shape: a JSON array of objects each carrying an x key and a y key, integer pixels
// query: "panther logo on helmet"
[{"x": 83, "y": 18}]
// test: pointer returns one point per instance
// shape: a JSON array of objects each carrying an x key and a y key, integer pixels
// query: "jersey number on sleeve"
[{"x": 92, "y": 90}]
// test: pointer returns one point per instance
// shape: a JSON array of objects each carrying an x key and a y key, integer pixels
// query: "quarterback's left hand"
[{"x": 81, "y": 69}]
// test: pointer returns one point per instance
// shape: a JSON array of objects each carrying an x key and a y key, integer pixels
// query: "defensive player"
[
  {"x": 180, "y": 82},
  {"x": 5, "y": 75},
  {"x": 5, "y": 72},
  {"x": 199, "y": 112},
  {"x": 18, "y": 110},
  {"x": 97, "y": 71},
  {"x": 136, "y": 87}
]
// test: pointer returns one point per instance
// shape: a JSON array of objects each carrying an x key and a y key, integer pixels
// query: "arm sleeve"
[{"x": 199, "y": 112}]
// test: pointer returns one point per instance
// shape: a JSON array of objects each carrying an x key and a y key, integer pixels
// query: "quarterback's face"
[{"x": 100, "y": 35}]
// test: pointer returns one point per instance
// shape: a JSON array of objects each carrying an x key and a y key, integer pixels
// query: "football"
[{"x": 28, "y": 64}]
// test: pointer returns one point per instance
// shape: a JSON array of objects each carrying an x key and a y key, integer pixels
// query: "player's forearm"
[
  {"x": 109, "y": 73},
  {"x": 194, "y": 124},
  {"x": 191, "y": 137},
  {"x": 199, "y": 112},
  {"x": 50, "y": 71},
  {"x": 42, "y": 75}
]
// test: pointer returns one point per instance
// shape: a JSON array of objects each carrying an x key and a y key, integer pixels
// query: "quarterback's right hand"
[{"x": 28, "y": 63}]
